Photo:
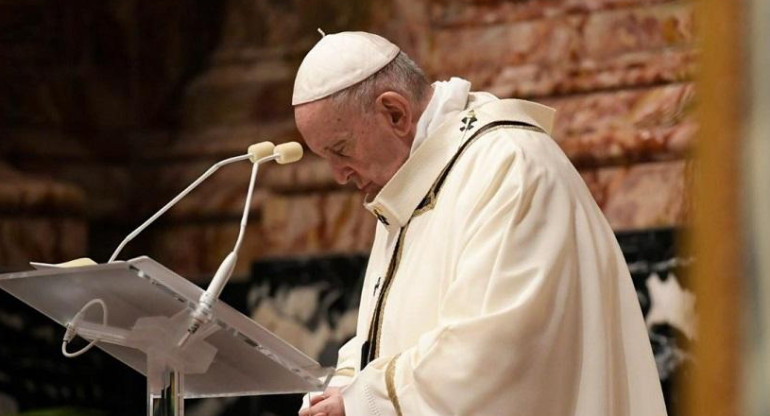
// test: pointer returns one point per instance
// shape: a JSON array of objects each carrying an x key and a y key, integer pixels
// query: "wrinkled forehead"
[{"x": 320, "y": 123}]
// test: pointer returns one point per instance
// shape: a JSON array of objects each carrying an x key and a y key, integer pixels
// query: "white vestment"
[{"x": 508, "y": 293}]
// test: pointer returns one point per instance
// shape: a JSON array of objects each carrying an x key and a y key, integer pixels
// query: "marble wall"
[
  {"x": 618, "y": 72},
  {"x": 89, "y": 103},
  {"x": 108, "y": 109}
]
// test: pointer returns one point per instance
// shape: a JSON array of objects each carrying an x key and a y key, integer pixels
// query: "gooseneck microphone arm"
[
  {"x": 265, "y": 147},
  {"x": 202, "y": 314}
]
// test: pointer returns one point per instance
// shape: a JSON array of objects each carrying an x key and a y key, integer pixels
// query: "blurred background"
[{"x": 110, "y": 108}]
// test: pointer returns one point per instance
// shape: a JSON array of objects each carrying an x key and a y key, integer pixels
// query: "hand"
[{"x": 327, "y": 404}]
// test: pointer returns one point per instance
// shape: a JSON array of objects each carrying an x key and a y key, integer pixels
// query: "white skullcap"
[{"x": 339, "y": 61}]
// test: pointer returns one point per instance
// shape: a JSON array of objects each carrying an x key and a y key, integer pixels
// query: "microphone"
[
  {"x": 288, "y": 153},
  {"x": 283, "y": 154},
  {"x": 257, "y": 153},
  {"x": 260, "y": 150}
]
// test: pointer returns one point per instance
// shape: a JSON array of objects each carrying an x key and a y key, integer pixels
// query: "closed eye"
[{"x": 338, "y": 149}]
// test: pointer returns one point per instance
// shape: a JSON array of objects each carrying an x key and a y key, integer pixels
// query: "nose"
[{"x": 342, "y": 174}]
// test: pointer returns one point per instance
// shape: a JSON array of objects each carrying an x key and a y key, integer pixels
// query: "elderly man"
[{"x": 495, "y": 286}]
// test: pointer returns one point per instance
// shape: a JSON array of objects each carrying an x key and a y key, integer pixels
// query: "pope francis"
[{"x": 495, "y": 286}]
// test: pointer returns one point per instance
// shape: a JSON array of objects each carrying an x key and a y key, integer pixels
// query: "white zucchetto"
[{"x": 339, "y": 61}]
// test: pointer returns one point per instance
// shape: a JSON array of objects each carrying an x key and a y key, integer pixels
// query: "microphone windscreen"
[
  {"x": 288, "y": 152},
  {"x": 260, "y": 150}
]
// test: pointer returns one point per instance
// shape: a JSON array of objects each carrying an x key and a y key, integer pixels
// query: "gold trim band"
[
  {"x": 390, "y": 383},
  {"x": 345, "y": 371}
]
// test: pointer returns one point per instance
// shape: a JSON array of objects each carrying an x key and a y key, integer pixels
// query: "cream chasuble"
[{"x": 508, "y": 293}]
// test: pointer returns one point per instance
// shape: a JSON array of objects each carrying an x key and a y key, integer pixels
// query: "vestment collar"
[
  {"x": 449, "y": 98},
  {"x": 395, "y": 203}
]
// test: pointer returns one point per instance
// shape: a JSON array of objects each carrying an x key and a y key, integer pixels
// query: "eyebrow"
[{"x": 334, "y": 146}]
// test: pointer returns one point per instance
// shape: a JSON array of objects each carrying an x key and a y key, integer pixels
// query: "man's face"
[{"x": 366, "y": 149}]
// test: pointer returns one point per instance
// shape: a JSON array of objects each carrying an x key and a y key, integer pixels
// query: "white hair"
[{"x": 401, "y": 75}]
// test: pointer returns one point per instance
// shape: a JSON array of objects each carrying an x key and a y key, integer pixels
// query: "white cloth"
[
  {"x": 510, "y": 295},
  {"x": 449, "y": 98}
]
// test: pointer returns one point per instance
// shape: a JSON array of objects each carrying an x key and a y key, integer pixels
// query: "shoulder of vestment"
[{"x": 407, "y": 191}]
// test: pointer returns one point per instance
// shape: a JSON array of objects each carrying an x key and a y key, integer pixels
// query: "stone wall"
[
  {"x": 108, "y": 109},
  {"x": 131, "y": 100},
  {"x": 618, "y": 72}
]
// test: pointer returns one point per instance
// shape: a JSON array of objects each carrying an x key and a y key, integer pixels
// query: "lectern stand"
[{"x": 148, "y": 308}]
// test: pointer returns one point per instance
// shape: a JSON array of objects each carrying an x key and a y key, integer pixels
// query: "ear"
[{"x": 394, "y": 109}]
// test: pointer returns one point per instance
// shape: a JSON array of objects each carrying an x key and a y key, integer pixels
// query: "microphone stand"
[
  {"x": 283, "y": 154},
  {"x": 202, "y": 313}
]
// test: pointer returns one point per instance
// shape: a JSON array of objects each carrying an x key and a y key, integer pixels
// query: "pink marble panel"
[
  {"x": 634, "y": 108},
  {"x": 445, "y": 13},
  {"x": 644, "y": 195},
  {"x": 624, "y": 71},
  {"x": 569, "y": 53},
  {"x": 563, "y": 38},
  {"x": 625, "y": 145},
  {"x": 629, "y": 125},
  {"x": 318, "y": 222},
  {"x": 644, "y": 28}
]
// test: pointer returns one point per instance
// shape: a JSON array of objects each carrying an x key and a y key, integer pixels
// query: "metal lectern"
[{"x": 147, "y": 307}]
